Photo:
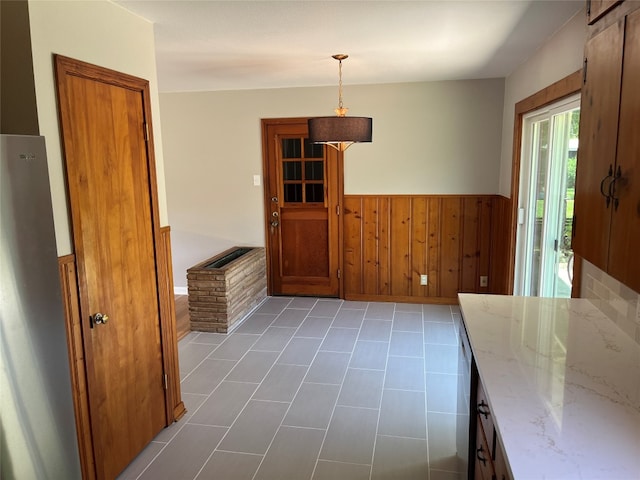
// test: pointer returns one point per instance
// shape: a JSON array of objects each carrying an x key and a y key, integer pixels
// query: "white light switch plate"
[
  {"x": 256, "y": 180},
  {"x": 424, "y": 279}
]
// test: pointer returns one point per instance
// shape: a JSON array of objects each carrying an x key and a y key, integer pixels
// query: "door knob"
[{"x": 99, "y": 319}]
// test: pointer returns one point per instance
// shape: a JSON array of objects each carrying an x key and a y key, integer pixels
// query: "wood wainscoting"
[{"x": 391, "y": 240}]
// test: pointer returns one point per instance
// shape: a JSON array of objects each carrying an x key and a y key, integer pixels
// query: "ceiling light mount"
[{"x": 340, "y": 132}]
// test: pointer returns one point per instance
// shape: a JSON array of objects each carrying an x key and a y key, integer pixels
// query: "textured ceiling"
[{"x": 232, "y": 45}]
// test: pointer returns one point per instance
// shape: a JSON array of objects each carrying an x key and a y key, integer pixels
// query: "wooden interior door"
[
  {"x": 303, "y": 187},
  {"x": 110, "y": 177}
]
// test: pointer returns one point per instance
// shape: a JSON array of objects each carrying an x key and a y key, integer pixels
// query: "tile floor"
[{"x": 311, "y": 388}]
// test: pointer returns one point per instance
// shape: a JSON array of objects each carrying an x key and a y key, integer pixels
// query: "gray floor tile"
[
  {"x": 440, "y": 333},
  {"x": 143, "y": 459},
  {"x": 274, "y": 339},
  {"x": 380, "y": 311},
  {"x": 191, "y": 354},
  {"x": 403, "y": 414},
  {"x": 442, "y": 393},
  {"x": 372, "y": 355},
  {"x": 256, "y": 323},
  {"x": 406, "y": 344},
  {"x": 325, "y": 308},
  {"x": 407, "y": 322},
  {"x": 224, "y": 404},
  {"x": 292, "y": 454},
  {"x": 274, "y": 429},
  {"x": 348, "y": 318},
  {"x": 441, "y": 358},
  {"x": 291, "y": 317},
  {"x": 210, "y": 338},
  {"x": 442, "y": 475},
  {"x": 300, "y": 351},
  {"x": 405, "y": 373},
  {"x": 303, "y": 302},
  {"x": 192, "y": 402},
  {"x": 253, "y": 367},
  {"x": 437, "y": 313},
  {"x": 353, "y": 305},
  {"x": 442, "y": 441},
  {"x": 186, "y": 453},
  {"x": 400, "y": 459},
  {"x": 375, "y": 330},
  {"x": 234, "y": 347},
  {"x": 255, "y": 427},
  {"x": 455, "y": 309},
  {"x": 326, "y": 470},
  {"x": 328, "y": 367},
  {"x": 274, "y": 305},
  {"x": 315, "y": 327},
  {"x": 312, "y": 406},
  {"x": 362, "y": 388},
  {"x": 230, "y": 466},
  {"x": 409, "y": 307},
  {"x": 281, "y": 384},
  {"x": 351, "y": 435},
  {"x": 206, "y": 377},
  {"x": 340, "y": 340}
]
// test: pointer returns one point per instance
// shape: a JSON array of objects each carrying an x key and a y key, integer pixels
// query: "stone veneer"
[
  {"x": 614, "y": 299},
  {"x": 221, "y": 297}
]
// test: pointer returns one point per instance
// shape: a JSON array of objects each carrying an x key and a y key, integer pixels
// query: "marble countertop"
[{"x": 563, "y": 384}]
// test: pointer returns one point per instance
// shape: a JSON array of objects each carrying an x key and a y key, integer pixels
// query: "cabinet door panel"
[
  {"x": 599, "y": 109},
  {"x": 624, "y": 260},
  {"x": 597, "y": 8}
]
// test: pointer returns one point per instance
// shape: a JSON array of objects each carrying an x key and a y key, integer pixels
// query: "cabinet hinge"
[
  {"x": 584, "y": 71},
  {"x": 337, "y": 209},
  {"x": 146, "y": 132},
  {"x": 338, "y": 273},
  {"x": 165, "y": 381}
]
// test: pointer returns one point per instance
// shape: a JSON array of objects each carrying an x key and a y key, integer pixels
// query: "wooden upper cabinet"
[
  {"x": 599, "y": 109},
  {"x": 624, "y": 258},
  {"x": 607, "y": 201},
  {"x": 597, "y": 8}
]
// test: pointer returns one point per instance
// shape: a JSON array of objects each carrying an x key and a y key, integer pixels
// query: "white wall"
[
  {"x": 560, "y": 56},
  {"x": 97, "y": 32},
  {"x": 428, "y": 138}
]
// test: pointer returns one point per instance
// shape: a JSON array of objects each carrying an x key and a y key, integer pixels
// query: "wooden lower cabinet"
[{"x": 490, "y": 460}]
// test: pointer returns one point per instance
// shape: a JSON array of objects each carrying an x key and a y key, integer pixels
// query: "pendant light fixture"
[{"x": 340, "y": 132}]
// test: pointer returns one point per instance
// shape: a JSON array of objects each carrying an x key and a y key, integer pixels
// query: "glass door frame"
[{"x": 553, "y": 210}]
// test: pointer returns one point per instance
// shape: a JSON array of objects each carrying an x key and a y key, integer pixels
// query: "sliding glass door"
[{"x": 544, "y": 260}]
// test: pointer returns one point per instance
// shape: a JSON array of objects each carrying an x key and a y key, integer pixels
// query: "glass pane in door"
[{"x": 540, "y": 158}]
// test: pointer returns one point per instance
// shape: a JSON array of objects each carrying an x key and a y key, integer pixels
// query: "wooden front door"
[
  {"x": 111, "y": 187},
  {"x": 303, "y": 188}
]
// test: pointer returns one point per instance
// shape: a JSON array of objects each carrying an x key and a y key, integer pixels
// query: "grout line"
[
  {"x": 297, "y": 391},
  {"x": 384, "y": 380}
]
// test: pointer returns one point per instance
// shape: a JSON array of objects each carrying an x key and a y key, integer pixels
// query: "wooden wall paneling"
[
  {"x": 384, "y": 246},
  {"x": 469, "y": 279},
  {"x": 369, "y": 252},
  {"x": 391, "y": 240},
  {"x": 353, "y": 234},
  {"x": 418, "y": 246},
  {"x": 400, "y": 245},
  {"x": 450, "y": 223},
  {"x": 500, "y": 278},
  {"x": 71, "y": 303},
  {"x": 484, "y": 241},
  {"x": 434, "y": 242},
  {"x": 175, "y": 406}
]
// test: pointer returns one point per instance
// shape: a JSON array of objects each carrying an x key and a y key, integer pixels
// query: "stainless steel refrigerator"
[{"x": 37, "y": 424}]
